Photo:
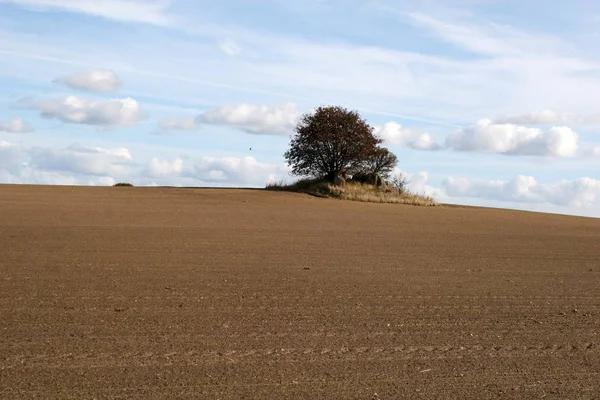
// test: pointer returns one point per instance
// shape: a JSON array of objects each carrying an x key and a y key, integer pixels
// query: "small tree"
[
  {"x": 329, "y": 141},
  {"x": 399, "y": 183},
  {"x": 380, "y": 162}
]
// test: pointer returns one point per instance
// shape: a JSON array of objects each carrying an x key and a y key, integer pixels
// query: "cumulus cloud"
[
  {"x": 418, "y": 182},
  {"x": 38, "y": 177},
  {"x": 260, "y": 120},
  {"x": 15, "y": 125},
  {"x": 582, "y": 192},
  {"x": 102, "y": 113},
  {"x": 94, "y": 81},
  {"x": 73, "y": 165},
  {"x": 246, "y": 170},
  {"x": 543, "y": 117},
  {"x": 424, "y": 142},
  {"x": 395, "y": 134},
  {"x": 83, "y": 160},
  {"x": 219, "y": 171},
  {"x": 102, "y": 181},
  {"x": 159, "y": 169},
  {"x": 487, "y": 136},
  {"x": 177, "y": 124}
]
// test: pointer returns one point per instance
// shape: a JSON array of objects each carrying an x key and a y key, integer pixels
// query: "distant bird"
[{"x": 250, "y": 148}]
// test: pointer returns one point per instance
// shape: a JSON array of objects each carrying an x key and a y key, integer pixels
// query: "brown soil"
[{"x": 150, "y": 293}]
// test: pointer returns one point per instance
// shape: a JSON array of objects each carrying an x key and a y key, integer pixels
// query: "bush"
[
  {"x": 398, "y": 182},
  {"x": 123, "y": 184},
  {"x": 356, "y": 192},
  {"x": 306, "y": 185}
]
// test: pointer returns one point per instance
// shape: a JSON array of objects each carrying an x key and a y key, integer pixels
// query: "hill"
[{"x": 206, "y": 293}]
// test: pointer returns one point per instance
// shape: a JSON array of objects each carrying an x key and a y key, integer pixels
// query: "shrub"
[
  {"x": 123, "y": 184},
  {"x": 356, "y": 191},
  {"x": 306, "y": 185},
  {"x": 398, "y": 182}
]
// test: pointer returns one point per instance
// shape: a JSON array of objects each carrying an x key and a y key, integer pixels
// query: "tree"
[
  {"x": 330, "y": 141},
  {"x": 380, "y": 162}
]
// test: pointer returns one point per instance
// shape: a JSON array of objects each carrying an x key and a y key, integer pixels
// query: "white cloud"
[
  {"x": 93, "y": 81},
  {"x": 582, "y": 192},
  {"x": 394, "y": 134},
  {"x": 486, "y": 136},
  {"x": 486, "y": 37},
  {"x": 15, "y": 125},
  {"x": 418, "y": 183},
  {"x": 424, "y": 142},
  {"x": 159, "y": 169},
  {"x": 103, "y": 113},
  {"x": 102, "y": 181},
  {"x": 146, "y": 11},
  {"x": 73, "y": 165},
  {"x": 83, "y": 160},
  {"x": 39, "y": 177},
  {"x": 87, "y": 165},
  {"x": 214, "y": 171},
  {"x": 260, "y": 120},
  {"x": 464, "y": 36},
  {"x": 177, "y": 124},
  {"x": 347, "y": 73},
  {"x": 245, "y": 171}
]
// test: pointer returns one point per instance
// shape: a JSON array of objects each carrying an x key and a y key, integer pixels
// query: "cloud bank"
[
  {"x": 489, "y": 137},
  {"x": 582, "y": 192}
]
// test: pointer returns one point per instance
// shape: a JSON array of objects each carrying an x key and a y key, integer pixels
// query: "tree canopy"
[{"x": 334, "y": 140}]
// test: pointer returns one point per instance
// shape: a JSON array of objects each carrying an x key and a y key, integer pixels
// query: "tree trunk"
[{"x": 331, "y": 176}]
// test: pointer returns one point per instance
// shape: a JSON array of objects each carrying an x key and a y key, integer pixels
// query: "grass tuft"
[{"x": 355, "y": 192}]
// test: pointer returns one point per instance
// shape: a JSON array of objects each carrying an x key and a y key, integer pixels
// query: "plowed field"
[{"x": 156, "y": 293}]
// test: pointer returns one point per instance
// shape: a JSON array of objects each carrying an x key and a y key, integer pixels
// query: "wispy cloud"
[
  {"x": 145, "y": 11},
  {"x": 93, "y": 81},
  {"x": 548, "y": 117},
  {"x": 179, "y": 124}
]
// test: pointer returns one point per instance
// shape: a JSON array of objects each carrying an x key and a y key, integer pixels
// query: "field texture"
[{"x": 148, "y": 293}]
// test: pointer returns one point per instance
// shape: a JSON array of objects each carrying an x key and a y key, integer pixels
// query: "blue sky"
[{"x": 492, "y": 103}]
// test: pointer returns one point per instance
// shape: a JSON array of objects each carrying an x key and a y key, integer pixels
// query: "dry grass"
[{"x": 355, "y": 192}]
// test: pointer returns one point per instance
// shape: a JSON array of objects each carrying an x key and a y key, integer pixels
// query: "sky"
[{"x": 485, "y": 102}]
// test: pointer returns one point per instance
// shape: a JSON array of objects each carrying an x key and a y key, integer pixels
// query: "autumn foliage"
[{"x": 334, "y": 141}]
